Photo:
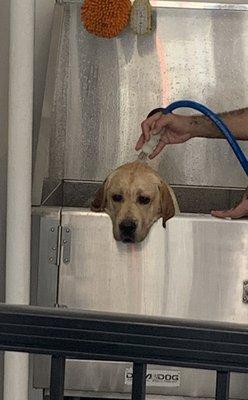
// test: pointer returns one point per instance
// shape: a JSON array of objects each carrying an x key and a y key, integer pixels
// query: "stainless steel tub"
[{"x": 195, "y": 269}]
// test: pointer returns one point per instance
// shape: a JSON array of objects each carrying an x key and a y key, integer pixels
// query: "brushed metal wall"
[{"x": 104, "y": 88}]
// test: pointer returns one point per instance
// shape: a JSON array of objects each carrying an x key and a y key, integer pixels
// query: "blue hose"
[{"x": 217, "y": 121}]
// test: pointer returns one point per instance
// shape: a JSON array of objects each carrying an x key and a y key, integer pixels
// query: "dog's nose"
[{"x": 127, "y": 227}]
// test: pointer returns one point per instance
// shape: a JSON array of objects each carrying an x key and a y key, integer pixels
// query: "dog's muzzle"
[{"x": 127, "y": 229}]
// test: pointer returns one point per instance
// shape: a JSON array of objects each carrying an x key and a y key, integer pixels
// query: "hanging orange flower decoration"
[{"x": 105, "y": 18}]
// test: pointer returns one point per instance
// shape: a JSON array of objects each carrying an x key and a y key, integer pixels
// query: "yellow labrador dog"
[{"x": 134, "y": 196}]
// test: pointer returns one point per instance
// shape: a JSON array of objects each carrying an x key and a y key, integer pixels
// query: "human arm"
[{"x": 174, "y": 128}]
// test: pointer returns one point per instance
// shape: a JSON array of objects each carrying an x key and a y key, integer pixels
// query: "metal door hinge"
[
  {"x": 66, "y": 244},
  {"x": 245, "y": 291},
  {"x": 59, "y": 244},
  {"x": 53, "y": 243}
]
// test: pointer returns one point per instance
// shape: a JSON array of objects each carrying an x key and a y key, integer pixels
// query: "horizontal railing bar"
[
  {"x": 41, "y": 316},
  {"x": 106, "y": 336},
  {"x": 134, "y": 339}
]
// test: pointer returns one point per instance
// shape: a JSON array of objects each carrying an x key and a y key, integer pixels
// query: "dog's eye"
[
  {"x": 144, "y": 200},
  {"x": 117, "y": 198}
]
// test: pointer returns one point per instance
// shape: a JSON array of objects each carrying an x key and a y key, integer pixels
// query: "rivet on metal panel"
[{"x": 245, "y": 292}]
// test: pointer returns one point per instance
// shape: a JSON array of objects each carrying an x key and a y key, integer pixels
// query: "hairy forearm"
[{"x": 236, "y": 121}]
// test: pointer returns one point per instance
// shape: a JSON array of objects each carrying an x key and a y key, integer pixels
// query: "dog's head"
[{"x": 135, "y": 197}]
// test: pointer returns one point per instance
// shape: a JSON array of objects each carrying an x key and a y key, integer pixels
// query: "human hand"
[
  {"x": 172, "y": 128},
  {"x": 239, "y": 211}
]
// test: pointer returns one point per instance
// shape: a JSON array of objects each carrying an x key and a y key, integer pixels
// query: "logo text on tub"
[{"x": 156, "y": 377}]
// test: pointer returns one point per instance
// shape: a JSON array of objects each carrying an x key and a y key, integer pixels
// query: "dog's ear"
[
  {"x": 98, "y": 204},
  {"x": 166, "y": 203}
]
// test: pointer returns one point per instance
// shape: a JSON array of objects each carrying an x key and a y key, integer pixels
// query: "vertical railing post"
[
  {"x": 222, "y": 385},
  {"x": 57, "y": 378},
  {"x": 139, "y": 381},
  {"x": 18, "y": 229}
]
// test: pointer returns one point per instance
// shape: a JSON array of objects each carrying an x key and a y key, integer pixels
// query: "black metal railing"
[{"x": 113, "y": 337}]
